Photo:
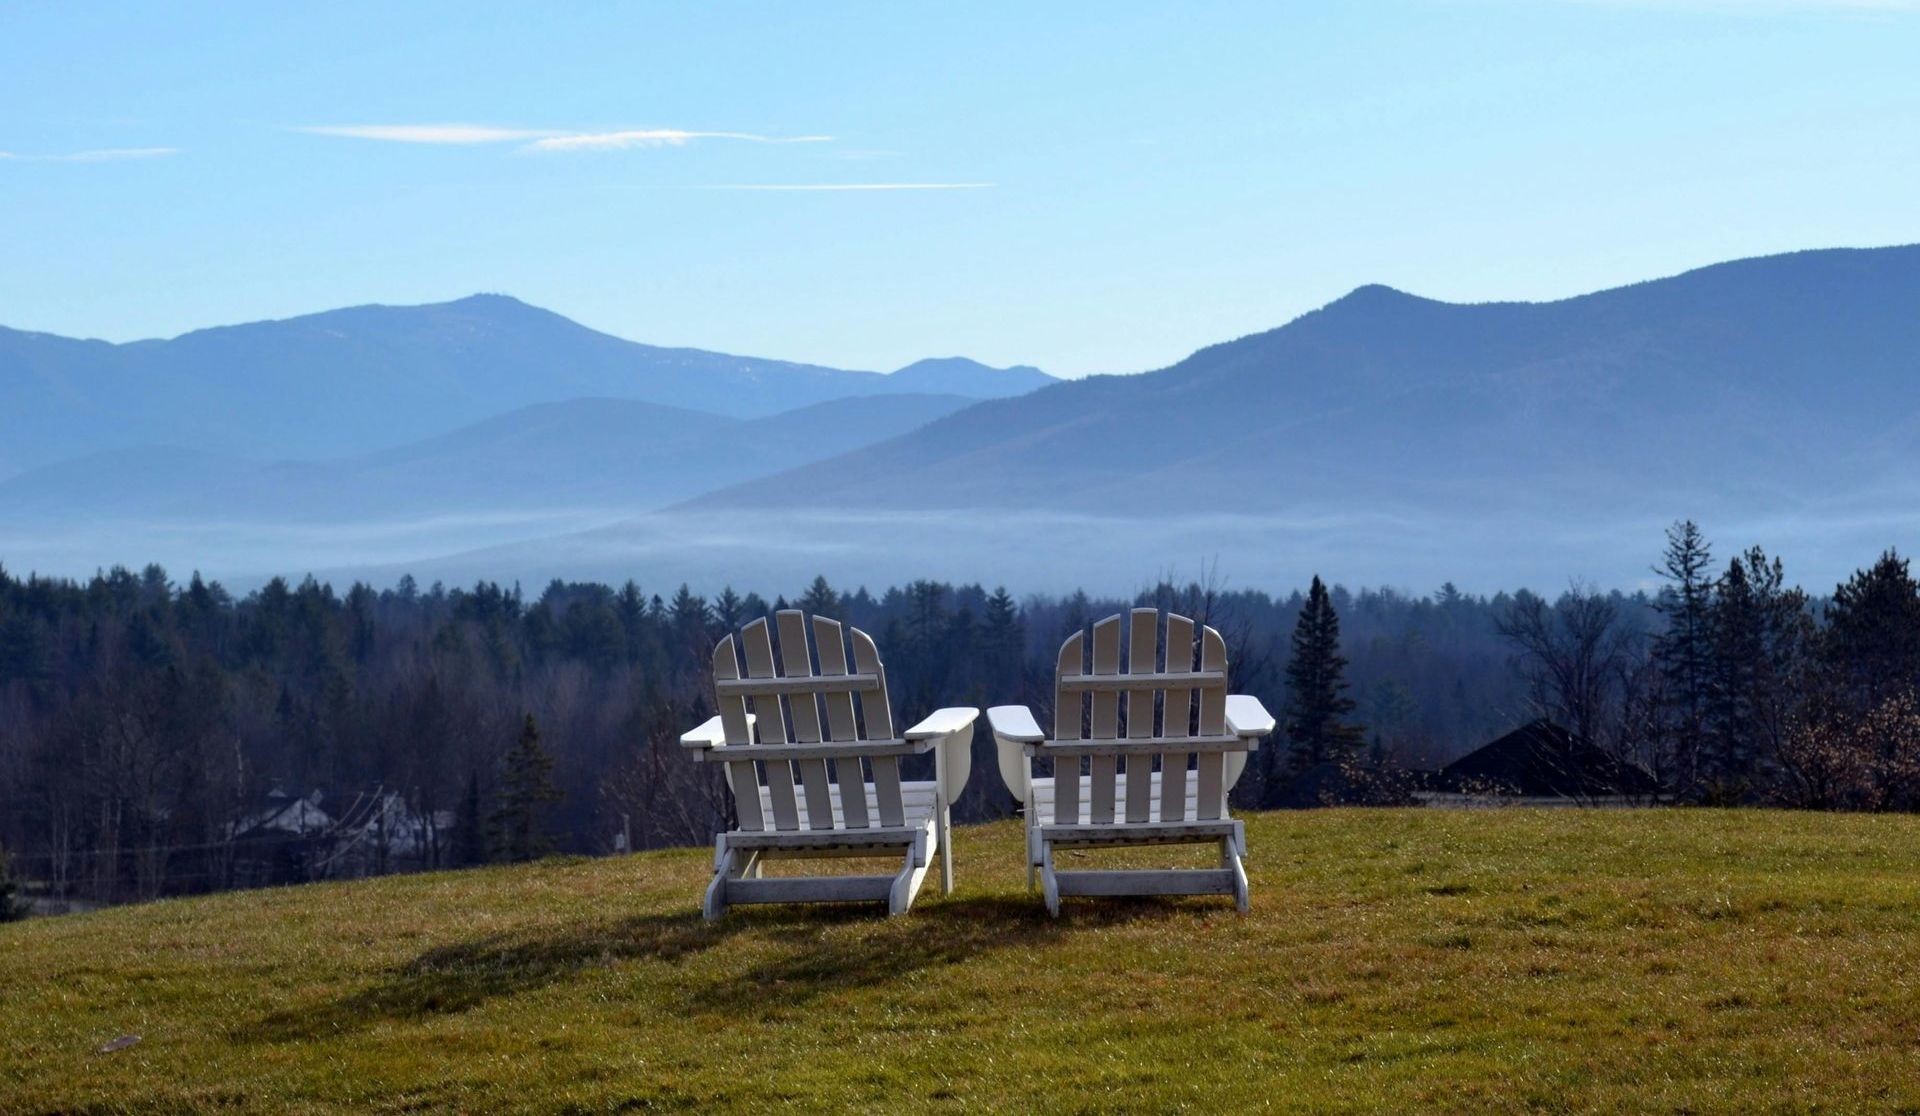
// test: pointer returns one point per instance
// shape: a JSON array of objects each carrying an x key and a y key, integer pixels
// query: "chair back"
[
  {"x": 804, "y": 701},
  {"x": 1118, "y": 718}
]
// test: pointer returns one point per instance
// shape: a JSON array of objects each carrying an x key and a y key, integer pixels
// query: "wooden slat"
[
  {"x": 807, "y": 840},
  {"x": 1105, "y": 721},
  {"x": 1211, "y": 802},
  {"x": 917, "y": 802},
  {"x": 1176, "y": 720},
  {"x": 1169, "y": 881},
  {"x": 848, "y": 773},
  {"x": 1151, "y": 833},
  {"x": 741, "y": 774},
  {"x": 771, "y": 725},
  {"x": 849, "y": 750},
  {"x": 1142, "y": 656},
  {"x": 1043, "y": 792},
  {"x": 796, "y": 660},
  {"x": 878, "y": 720},
  {"x": 810, "y": 889},
  {"x": 1066, "y": 726},
  {"x": 1151, "y": 681},
  {"x": 761, "y": 687},
  {"x": 1152, "y": 745}
]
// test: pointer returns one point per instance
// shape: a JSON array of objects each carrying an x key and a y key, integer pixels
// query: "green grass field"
[{"x": 1502, "y": 960}]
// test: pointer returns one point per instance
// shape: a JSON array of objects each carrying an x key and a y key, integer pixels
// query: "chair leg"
[
  {"x": 1049, "y": 885},
  {"x": 1033, "y": 855},
  {"x": 715, "y": 906},
  {"x": 946, "y": 850},
  {"x": 906, "y": 884},
  {"x": 1230, "y": 858}
]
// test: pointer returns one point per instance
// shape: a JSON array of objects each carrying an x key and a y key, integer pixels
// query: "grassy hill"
[{"x": 1580, "y": 960}]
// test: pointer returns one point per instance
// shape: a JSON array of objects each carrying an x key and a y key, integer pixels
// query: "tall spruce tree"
[
  {"x": 1317, "y": 701},
  {"x": 1004, "y": 644},
  {"x": 820, "y": 599},
  {"x": 1762, "y": 631},
  {"x": 526, "y": 789},
  {"x": 1736, "y": 643},
  {"x": 470, "y": 826},
  {"x": 1683, "y": 651}
]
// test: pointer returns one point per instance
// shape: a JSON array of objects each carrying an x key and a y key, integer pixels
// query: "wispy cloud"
[
  {"x": 429, "y": 133},
  {"x": 101, "y": 155},
  {"x": 540, "y": 139},
  {"x": 826, "y": 186},
  {"x": 653, "y": 137}
]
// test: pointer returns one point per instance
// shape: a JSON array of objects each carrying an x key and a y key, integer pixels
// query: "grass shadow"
[
  {"x": 803, "y": 952},
  {"x": 454, "y": 978}
]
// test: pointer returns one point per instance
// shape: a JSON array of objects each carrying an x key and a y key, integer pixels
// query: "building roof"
[{"x": 1542, "y": 759}]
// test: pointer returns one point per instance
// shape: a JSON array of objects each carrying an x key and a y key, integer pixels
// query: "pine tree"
[
  {"x": 526, "y": 788},
  {"x": 470, "y": 833},
  {"x": 1317, "y": 701},
  {"x": 820, "y": 599},
  {"x": 1004, "y": 645},
  {"x": 1872, "y": 640},
  {"x": 10, "y": 908},
  {"x": 1736, "y": 641},
  {"x": 1682, "y": 651},
  {"x": 729, "y": 611}
]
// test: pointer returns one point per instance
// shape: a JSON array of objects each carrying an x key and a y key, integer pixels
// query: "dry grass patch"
[{"x": 1574, "y": 960}]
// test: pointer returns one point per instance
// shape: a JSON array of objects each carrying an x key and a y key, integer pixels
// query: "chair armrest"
[
  {"x": 942, "y": 722},
  {"x": 1246, "y": 717},
  {"x": 1014, "y": 723},
  {"x": 1014, "y": 732},
  {"x": 710, "y": 734},
  {"x": 952, "y": 729}
]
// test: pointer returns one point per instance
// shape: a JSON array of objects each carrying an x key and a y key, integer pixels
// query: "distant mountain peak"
[
  {"x": 493, "y": 302},
  {"x": 966, "y": 376},
  {"x": 1374, "y": 296}
]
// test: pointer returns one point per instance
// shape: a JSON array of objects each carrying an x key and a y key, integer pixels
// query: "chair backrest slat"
[
  {"x": 1176, "y": 720},
  {"x": 1104, "y": 723},
  {"x": 878, "y": 720},
  {"x": 1068, "y": 709},
  {"x": 803, "y": 707},
  {"x": 1210, "y": 800},
  {"x": 770, "y": 724},
  {"x": 742, "y": 778},
  {"x": 831, "y": 646},
  {"x": 1143, "y": 640},
  {"x": 1164, "y": 696}
]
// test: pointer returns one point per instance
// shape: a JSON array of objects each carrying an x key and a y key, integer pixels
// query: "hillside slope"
[
  {"x": 611, "y": 454},
  {"x": 367, "y": 377},
  {"x": 1747, "y": 387},
  {"x": 1394, "y": 961}
]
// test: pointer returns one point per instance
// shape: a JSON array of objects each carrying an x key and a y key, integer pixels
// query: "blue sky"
[{"x": 1114, "y": 184}]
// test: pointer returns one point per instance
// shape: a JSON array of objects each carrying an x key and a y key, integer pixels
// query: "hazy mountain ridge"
[
  {"x": 1389, "y": 438},
  {"x": 608, "y": 454},
  {"x": 363, "y": 378},
  {"x": 1727, "y": 384}
]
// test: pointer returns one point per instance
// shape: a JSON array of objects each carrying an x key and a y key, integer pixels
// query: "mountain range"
[
  {"x": 1382, "y": 437},
  {"x": 605, "y": 455},
  {"x": 1743, "y": 387},
  {"x": 368, "y": 378}
]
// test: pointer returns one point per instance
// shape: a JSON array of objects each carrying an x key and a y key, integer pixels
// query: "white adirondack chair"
[
  {"x": 777, "y": 748},
  {"x": 1200, "y": 737}
]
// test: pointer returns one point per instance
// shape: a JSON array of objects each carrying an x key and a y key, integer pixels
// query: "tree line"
[
  {"x": 147, "y": 727},
  {"x": 1747, "y": 690}
]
